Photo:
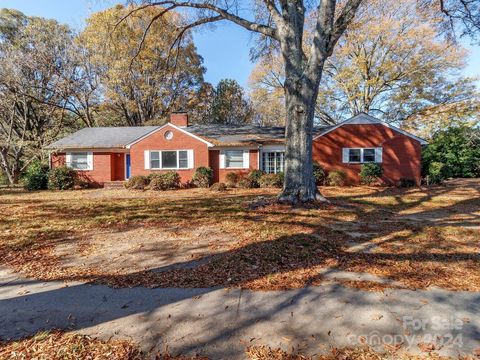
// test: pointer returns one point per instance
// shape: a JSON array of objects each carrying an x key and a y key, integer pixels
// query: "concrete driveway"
[{"x": 221, "y": 323}]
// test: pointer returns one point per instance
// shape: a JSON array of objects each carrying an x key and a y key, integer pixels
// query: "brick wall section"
[
  {"x": 102, "y": 167},
  {"x": 157, "y": 141},
  {"x": 219, "y": 174},
  {"x": 401, "y": 153}
]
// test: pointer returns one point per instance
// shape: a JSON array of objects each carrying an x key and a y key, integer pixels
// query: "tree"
[
  {"x": 143, "y": 81},
  {"x": 392, "y": 62},
  {"x": 229, "y": 105},
  {"x": 458, "y": 149},
  {"x": 32, "y": 97}
]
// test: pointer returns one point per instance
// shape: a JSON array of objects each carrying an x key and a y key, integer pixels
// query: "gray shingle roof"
[
  {"x": 233, "y": 134},
  {"x": 120, "y": 137},
  {"x": 102, "y": 137}
]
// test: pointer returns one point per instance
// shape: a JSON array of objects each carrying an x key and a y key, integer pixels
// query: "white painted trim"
[
  {"x": 146, "y": 159},
  {"x": 246, "y": 159},
  {"x": 346, "y": 155},
  {"x": 373, "y": 122},
  {"x": 173, "y": 126}
]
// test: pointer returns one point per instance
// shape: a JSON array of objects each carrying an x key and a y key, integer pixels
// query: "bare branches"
[{"x": 224, "y": 13}]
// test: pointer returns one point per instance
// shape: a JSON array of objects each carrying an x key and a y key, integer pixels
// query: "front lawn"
[{"x": 370, "y": 238}]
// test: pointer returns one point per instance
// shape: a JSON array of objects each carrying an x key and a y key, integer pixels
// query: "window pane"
[
  {"x": 368, "y": 155},
  {"x": 234, "y": 159},
  {"x": 354, "y": 155},
  {"x": 169, "y": 159},
  {"x": 183, "y": 159},
  {"x": 280, "y": 162},
  {"x": 79, "y": 161},
  {"x": 154, "y": 160}
]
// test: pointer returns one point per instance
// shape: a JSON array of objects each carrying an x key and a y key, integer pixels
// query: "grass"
[{"x": 410, "y": 238}]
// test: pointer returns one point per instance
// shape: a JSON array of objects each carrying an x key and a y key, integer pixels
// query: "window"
[
  {"x": 234, "y": 158},
  {"x": 354, "y": 155},
  {"x": 368, "y": 155},
  {"x": 358, "y": 155},
  {"x": 171, "y": 159},
  {"x": 273, "y": 161},
  {"x": 79, "y": 160}
]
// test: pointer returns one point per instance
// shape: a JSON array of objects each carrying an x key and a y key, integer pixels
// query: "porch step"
[{"x": 114, "y": 184}]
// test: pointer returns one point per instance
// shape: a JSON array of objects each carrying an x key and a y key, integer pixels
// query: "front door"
[{"x": 127, "y": 166}]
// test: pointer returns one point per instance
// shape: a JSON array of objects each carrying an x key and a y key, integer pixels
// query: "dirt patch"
[{"x": 144, "y": 248}]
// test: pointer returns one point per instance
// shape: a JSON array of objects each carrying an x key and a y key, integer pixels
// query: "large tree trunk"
[{"x": 300, "y": 98}]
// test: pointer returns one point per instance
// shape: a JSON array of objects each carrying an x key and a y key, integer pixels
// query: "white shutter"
[
  {"x": 378, "y": 155},
  {"x": 68, "y": 159},
  {"x": 90, "y": 160},
  {"x": 345, "y": 155},
  {"x": 146, "y": 157},
  {"x": 222, "y": 159},
  {"x": 191, "y": 163},
  {"x": 246, "y": 159}
]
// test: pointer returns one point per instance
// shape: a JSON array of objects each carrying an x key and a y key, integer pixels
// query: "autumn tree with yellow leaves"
[{"x": 142, "y": 75}]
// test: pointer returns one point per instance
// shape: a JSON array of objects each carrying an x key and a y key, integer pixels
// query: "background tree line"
[{"x": 395, "y": 62}]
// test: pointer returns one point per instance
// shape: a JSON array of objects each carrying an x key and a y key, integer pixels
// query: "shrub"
[
  {"x": 255, "y": 176},
  {"x": 406, "y": 183},
  {"x": 203, "y": 177},
  {"x": 36, "y": 176},
  {"x": 61, "y": 178},
  {"x": 218, "y": 187},
  {"x": 457, "y": 148},
  {"x": 336, "y": 178},
  {"x": 370, "y": 172},
  {"x": 165, "y": 181},
  {"x": 318, "y": 173},
  {"x": 246, "y": 183},
  {"x": 271, "y": 180},
  {"x": 231, "y": 179},
  {"x": 435, "y": 172},
  {"x": 138, "y": 182}
]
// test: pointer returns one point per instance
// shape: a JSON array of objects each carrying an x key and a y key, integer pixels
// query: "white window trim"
[
  {"x": 68, "y": 160},
  {"x": 148, "y": 163},
  {"x": 378, "y": 155},
  {"x": 246, "y": 159},
  {"x": 273, "y": 150}
]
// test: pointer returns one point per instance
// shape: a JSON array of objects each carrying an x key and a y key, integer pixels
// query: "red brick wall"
[
  {"x": 401, "y": 154},
  {"x": 219, "y": 174},
  {"x": 157, "y": 141},
  {"x": 102, "y": 167}
]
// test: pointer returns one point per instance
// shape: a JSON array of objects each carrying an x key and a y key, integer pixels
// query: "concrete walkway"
[{"x": 221, "y": 323}]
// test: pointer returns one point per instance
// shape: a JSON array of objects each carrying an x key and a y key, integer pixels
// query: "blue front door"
[{"x": 127, "y": 163}]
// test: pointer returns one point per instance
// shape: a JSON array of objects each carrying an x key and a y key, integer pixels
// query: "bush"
[
  {"x": 436, "y": 172},
  {"x": 246, "y": 183},
  {"x": 370, "y": 172},
  {"x": 231, "y": 179},
  {"x": 218, "y": 187},
  {"x": 255, "y": 176},
  {"x": 203, "y": 177},
  {"x": 406, "y": 183},
  {"x": 336, "y": 178},
  {"x": 272, "y": 180},
  {"x": 318, "y": 173},
  {"x": 138, "y": 182},
  {"x": 36, "y": 176},
  {"x": 164, "y": 181},
  {"x": 457, "y": 148},
  {"x": 61, "y": 178}
]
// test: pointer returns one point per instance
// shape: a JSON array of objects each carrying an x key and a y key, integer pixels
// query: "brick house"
[{"x": 106, "y": 154}]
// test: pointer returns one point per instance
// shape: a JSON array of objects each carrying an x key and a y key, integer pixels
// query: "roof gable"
[
  {"x": 365, "y": 119},
  {"x": 176, "y": 128}
]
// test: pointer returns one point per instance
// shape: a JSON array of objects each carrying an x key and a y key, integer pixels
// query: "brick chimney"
[{"x": 179, "y": 118}]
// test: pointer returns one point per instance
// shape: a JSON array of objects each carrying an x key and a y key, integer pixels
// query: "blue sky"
[{"x": 225, "y": 49}]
